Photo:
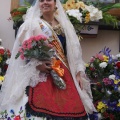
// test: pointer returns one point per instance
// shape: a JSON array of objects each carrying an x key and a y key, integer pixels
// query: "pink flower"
[
  {"x": 29, "y": 46},
  {"x": 22, "y": 56},
  {"x": 107, "y": 81},
  {"x": 49, "y": 45},
  {"x": 40, "y": 37},
  {"x": 21, "y": 50},
  {"x": 92, "y": 59},
  {"x": 99, "y": 56}
]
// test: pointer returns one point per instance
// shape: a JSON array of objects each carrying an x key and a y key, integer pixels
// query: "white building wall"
[
  {"x": 108, "y": 38},
  {"x": 90, "y": 46},
  {"x": 6, "y": 27}
]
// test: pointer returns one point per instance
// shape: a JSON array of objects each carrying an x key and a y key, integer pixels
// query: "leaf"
[
  {"x": 64, "y": 1},
  {"x": 22, "y": 9},
  {"x": 27, "y": 3},
  {"x": 111, "y": 20},
  {"x": 109, "y": 6},
  {"x": 17, "y": 18},
  {"x": 117, "y": 5},
  {"x": 18, "y": 54},
  {"x": 12, "y": 116}
]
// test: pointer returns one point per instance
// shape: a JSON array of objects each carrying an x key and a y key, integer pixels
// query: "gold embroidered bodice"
[{"x": 58, "y": 30}]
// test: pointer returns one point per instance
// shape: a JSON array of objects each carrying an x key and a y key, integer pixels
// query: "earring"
[{"x": 55, "y": 10}]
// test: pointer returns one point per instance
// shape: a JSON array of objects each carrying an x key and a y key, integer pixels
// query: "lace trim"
[{"x": 41, "y": 114}]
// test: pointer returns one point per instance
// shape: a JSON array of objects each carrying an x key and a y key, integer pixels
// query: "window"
[
  {"x": 17, "y": 3},
  {"x": 21, "y": 2}
]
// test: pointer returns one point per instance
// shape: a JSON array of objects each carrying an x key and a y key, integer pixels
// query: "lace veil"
[{"x": 19, "y": 75}]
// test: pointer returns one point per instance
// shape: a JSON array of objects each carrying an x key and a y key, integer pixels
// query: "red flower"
[
  {"x": 2, "y": 51},
  {"x": 112, "y": 117},
  {"x": 8, "y": 52},
  {"x": 118, "y": 64},
  {"x": 17, "y": 117},
  {"x": 5, "y": 67},
  {"x": 92, "y": 69},
  {"x": 105, "y": 114}
]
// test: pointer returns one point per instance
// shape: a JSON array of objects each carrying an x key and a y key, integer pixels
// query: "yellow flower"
[
  {"x": 0, "y": 58},
  {"x": 118, "y": 104},
  {"x": 116, "y": 81},
  {"x": 80, "y": 5},
  {"x": 87, "y": 65},
  {"x": 101, "y": 105},
  {"x": 70, "y": 4},
  {"x": 1, "y": 78},
  {"x": 87, "y": 18},
  {"x": 105, "y": 58}
]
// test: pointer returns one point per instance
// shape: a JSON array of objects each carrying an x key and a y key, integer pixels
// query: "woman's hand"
[
  {"x": 79, "y": 79},
  {"x": 44, "y": 67}
]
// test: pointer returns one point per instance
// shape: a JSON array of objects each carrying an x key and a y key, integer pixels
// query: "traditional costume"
[{"x": 26, "y": 93}]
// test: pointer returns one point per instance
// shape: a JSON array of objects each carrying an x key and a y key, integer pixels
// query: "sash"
[{"x": 54, "y": 40}]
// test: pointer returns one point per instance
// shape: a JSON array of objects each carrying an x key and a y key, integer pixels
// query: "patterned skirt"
[{"x": 47, "y": 100}]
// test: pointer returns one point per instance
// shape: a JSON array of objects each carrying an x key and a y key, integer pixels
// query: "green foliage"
[
  {"x": 110, "y": 20},
  {"x": 17, "y": 14}
]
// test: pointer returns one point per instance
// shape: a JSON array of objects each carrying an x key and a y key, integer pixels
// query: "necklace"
[{"x": 50, "y": 22}]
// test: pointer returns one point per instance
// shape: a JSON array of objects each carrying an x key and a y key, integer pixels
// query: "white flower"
[
  {"x": 95, "y": 14},
  {"x": 75, "y": 13},
  {"x": 8, "y": 61},
  {"x": 114, "y": 57},
  {"x": 103, "y": 65},
  {"x": 118, "y": 55},
  {"x": 1, "y": 47},
  {"x": 112, "y": 77},
  {"x": 99, "y": 116}
]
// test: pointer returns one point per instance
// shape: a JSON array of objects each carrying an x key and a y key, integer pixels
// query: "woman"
[{"x": 42, "y": 98}]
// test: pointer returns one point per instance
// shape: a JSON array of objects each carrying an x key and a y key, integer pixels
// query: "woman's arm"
[{"x": 79, "y": 79}]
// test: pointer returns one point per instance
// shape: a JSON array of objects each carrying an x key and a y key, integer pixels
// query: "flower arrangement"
[
  {"x": 17, "y": 15},
  {"x": 4, "y": 56},
  {"x": 38, "y": 47},
  {"x": 104, "y": 72},
  {"x": 82, "y": 12},
  {"x": 85, "y": 12}
]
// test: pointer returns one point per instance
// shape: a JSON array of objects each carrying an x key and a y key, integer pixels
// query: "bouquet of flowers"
[
  {"x": 4, "y": 56},
  {"x": 104, "y": 72},
  {"x": 18, "y": 14},
  {"x": 38, "y": 47}
]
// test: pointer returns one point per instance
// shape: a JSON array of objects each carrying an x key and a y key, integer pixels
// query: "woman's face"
[{"x": 47, "y": 6}]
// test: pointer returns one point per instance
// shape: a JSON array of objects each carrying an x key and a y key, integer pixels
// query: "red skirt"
[{"x": 47, "y": 100}]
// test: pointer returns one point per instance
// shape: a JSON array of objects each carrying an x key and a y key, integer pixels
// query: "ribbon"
[{"x": 56, "y": 67}]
